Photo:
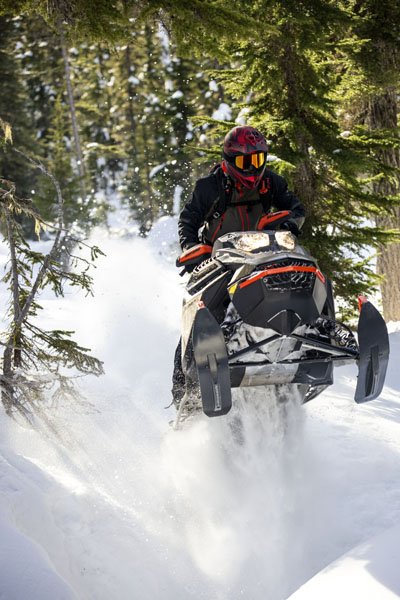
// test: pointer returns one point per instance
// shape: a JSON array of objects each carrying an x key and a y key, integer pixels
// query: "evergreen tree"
[
  {"x": 42, "y": 95},
  {"x": 193, "y": 91},
  {"x": 199, "y": 24},
  {"x": 288, "y": 74},
  {"x": 14, "y": 109},
  {"x": 59, "y": 162},
  {"x": 139, "y": 97},
  {"x": 371, "y": 86},
  {"x": 27, "y": 346},
  {"x": 158, "y": 95},
  {"x": 80, "y": 167},
  {"x": 123, "y": 125}
]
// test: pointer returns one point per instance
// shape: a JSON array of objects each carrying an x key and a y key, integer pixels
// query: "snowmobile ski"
[
  {"x": 211, "y": 359},
  {"x": 373, "y": 341}
]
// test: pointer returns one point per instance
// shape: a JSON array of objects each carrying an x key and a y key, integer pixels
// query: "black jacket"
[{"x": 241, "y": 211}]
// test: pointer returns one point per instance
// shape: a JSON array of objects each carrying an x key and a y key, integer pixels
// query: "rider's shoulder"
[
  {"x": 278, "y": 182},
  {"x": 269, "y": 173},
  {"x": 209, "y": 181}
]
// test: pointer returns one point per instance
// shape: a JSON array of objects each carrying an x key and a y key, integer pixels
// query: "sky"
[{"x": 102, "y": 499}]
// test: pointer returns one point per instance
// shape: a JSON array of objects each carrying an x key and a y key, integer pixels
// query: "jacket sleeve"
[
  {"x": 283, "y": 199},
  {"x": 195, "y": 212}
]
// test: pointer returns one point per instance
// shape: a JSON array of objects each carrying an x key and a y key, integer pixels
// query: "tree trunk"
[
  {"x": 130, "y": 91},
  {"x": 305, "y": 182},
  {"x": 12, "y": 353},
  {"x": 149, "y": 211},
  {"x": 382, "y": 114},
  {"x": 72, "y": 110}
]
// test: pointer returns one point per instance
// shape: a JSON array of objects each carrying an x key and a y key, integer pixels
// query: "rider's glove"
[{"x": 291, "y": 225}]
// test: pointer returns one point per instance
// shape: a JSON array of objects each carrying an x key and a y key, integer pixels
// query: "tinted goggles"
[{"x": 245, "y": 161}]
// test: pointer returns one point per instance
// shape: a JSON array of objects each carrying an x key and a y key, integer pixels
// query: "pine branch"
[
  {"x": 46, "y": 350},
  {"x": 6, "y": 131},
  {"x": 56, "y": 244},
  {"x": 12, "y": 244}
]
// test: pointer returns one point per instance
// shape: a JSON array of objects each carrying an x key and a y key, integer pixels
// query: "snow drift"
[{"x": 103, "y": 500}]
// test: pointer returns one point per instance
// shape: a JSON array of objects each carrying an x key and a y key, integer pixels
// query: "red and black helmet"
[{"x": 245, "y": 155}]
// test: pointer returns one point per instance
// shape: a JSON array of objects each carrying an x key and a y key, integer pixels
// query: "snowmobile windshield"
[
  {"x": 285, "y": 239},
  {"x": 253, "y": 242}
]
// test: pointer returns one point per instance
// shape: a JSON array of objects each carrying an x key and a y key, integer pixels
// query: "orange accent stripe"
[
  {"x": 189, "y": 254},
  {"x": 277, "y": 270},
  {"x": 271, "y": 218}
]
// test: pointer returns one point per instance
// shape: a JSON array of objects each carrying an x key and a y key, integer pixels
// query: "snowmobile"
[{"x": 259, "y": 312}]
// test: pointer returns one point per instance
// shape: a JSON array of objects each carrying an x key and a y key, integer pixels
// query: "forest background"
[{"x": 104, "y": 100}]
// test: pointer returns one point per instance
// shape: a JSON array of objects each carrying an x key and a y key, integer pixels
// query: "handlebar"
[{"x": 274, "y": 220}]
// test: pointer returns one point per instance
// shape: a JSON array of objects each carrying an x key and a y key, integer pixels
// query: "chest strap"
[{"x": 225, "y": 191}]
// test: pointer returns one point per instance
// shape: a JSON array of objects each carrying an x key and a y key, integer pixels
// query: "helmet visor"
[{"x": 245, "y": 161}]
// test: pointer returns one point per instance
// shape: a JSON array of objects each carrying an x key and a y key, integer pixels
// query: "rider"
[
  {"x": 235, "y": 196},
  {"x": 237, "y": 193}
]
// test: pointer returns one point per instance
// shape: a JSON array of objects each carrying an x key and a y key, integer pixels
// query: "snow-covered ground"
[{"x": 103, "y": 500}]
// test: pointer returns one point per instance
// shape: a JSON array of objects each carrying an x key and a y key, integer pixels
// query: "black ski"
[
  {"x": 212, "y": 364},
  {"x": 373, "y": 341}
]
